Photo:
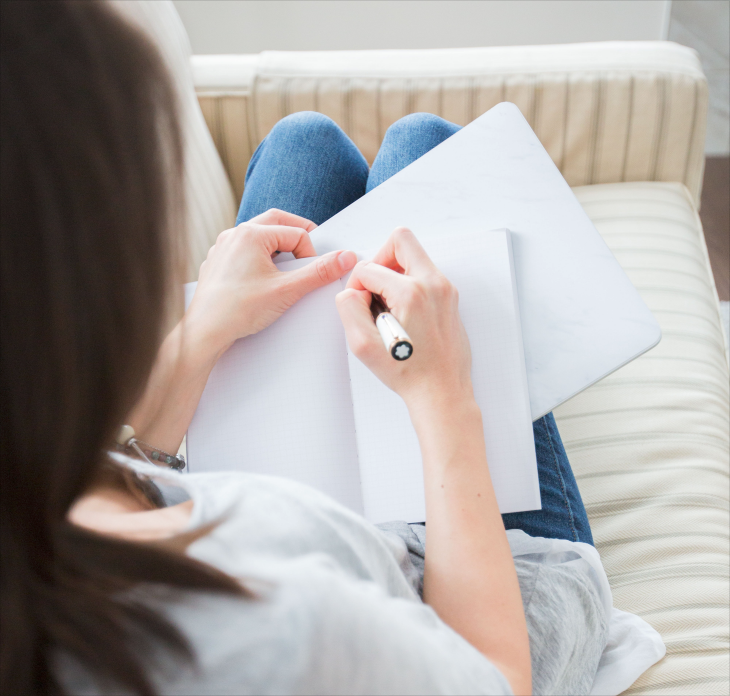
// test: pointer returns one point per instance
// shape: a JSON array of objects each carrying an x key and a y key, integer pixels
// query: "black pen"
[{"x": 397, "y": 341}]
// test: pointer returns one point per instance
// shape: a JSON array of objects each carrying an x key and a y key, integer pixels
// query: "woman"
[{"x": 119, "y": 576}]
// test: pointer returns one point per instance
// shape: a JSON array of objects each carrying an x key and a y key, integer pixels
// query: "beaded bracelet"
[{"x": 129, "y": 444}]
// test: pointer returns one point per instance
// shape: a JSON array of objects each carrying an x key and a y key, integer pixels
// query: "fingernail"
[{"x": 347, "y": 260}]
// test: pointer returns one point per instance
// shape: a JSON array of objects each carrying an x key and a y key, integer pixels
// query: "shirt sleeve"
[
  {"x": 567, "y": 602},
  {"x": 566, "y": 622}
]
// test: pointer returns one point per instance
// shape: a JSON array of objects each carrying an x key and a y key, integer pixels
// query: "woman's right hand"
[
  {"x": 426, "y": 304},
  {"x": 469, "y": 576}
]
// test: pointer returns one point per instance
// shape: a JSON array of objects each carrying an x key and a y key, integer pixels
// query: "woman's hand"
[
  {"x": 427, "y": 305},
  {"x": 240, "y": 290}
]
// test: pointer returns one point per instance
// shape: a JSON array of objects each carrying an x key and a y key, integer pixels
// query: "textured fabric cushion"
[
  {"x": 606, "y": 112},
  {"x": 649, "y": 444},
  {"x": 210, "y": 204}
]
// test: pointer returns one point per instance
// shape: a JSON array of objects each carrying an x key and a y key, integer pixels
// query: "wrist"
[
  {"x": 178, "y": 377},
  {"x": 198, "y": 345},
  {"x": 450, "y": 434},
  {"x": 429, "y": 408}
]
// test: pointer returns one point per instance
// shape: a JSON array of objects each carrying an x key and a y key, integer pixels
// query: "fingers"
[
  {"x": 274, "y": 216},
  {"x": 253, "y": 238},
  {"x": 321, "y": 272},
  {"x": 403, "y": 251},
  {"x": 378, "y": 279},
  {"x": 293, "y": 239},
  {"x": 273, "y": 238},
  {"x": 362, "y": 335}
]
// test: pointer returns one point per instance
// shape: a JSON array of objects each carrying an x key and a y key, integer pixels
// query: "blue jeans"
[{"x": 308, "y": 166}]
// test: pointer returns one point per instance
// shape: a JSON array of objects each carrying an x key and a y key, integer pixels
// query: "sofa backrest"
[{"x": 605, "y": 112}]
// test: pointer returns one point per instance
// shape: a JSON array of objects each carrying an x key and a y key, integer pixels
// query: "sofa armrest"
[
  {"x": 223, "y": 84},
  {"x": 605, "y": 112}
]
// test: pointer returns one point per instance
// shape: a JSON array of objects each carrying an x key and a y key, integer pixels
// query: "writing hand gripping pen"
[{"x": 397, "y": 342}]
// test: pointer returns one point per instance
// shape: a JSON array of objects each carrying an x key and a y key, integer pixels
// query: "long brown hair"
[{"x": 91, "y": 167}]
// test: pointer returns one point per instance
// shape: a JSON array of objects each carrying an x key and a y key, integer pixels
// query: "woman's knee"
[
  {"x": 308, "y": 123},
  {"x": 421, "y": 125}
]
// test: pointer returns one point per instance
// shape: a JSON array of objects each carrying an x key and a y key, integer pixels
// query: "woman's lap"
[{"x": 308, "y": 166}]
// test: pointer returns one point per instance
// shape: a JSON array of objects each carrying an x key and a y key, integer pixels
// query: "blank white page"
[
  {"x": 480, "y": 266},
  {"x": 279, "y": 402}
]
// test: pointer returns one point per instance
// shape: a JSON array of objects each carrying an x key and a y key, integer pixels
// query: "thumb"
[{"x": 321, "y": 272}]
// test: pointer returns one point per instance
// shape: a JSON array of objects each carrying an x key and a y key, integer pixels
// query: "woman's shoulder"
[
  {"x": 321, "y": 632},
  {"x": 259, "y": 644},
  {"x": 324, "y": 632}
]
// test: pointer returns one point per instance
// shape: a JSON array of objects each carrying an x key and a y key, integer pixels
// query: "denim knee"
[
  {"x": 310, "y": 121},
  {"x": 308, "y": 129},
  {"x": 306, "y": 165},
  {"x": 422, "y": 123}
]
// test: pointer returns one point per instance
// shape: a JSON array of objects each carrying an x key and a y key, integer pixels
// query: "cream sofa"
[{"x": 625, "y": 123}]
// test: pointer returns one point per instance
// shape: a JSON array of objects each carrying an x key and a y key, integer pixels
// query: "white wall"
[
  {"x": 705, "y": 26},
  {"x": 250, "y": 26}
]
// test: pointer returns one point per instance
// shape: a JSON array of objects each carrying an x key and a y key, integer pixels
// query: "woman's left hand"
[{"x": 241, "y": 291}]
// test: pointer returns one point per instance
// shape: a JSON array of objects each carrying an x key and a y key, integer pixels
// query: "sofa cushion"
[{"x": 649, "y": 443}]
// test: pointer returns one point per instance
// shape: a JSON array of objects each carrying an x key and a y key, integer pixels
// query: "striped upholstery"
[
  {"x": 605, "y": 112},
  {"x": 649, "y": 444}
]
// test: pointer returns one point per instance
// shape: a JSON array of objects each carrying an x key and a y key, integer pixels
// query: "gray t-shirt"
[{"x": 338, "y": 608}]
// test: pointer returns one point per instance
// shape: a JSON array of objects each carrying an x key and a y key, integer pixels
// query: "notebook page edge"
[{"x": 509, "y": 235}]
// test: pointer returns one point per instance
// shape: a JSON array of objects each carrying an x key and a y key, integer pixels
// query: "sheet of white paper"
[
  {"x": 480, "y": 266},
  {"x": 279, "y": 402}
]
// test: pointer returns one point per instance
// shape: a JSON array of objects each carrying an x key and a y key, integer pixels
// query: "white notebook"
[{"x": 291, "y": 401}]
